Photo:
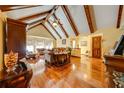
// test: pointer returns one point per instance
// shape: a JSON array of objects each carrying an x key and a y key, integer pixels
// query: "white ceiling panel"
[
  {"x": 35, "y": 19},
  {"x": 58, "y": 29},
  {"x": 20, "y": 13},
  {"x": 78, "y": 14},
  {"x": 51, "y": 30},
  {"x": 60, "y": 14},
  {"x": 106, "y": 15}
]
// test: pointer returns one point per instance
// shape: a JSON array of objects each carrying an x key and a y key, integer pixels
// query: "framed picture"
[
  {"x": 83, "y": 43},
  {"x": 64, "y": 41}
]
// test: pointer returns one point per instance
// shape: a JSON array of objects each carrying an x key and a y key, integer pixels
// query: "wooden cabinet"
[
  {"x": 16, "y": 37},
  {"x": 113, "y": 63}
]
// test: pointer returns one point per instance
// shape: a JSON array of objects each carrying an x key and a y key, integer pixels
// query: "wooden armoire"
[{"x": 16, "y": 37}]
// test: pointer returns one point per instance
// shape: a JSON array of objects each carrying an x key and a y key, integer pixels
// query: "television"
[{"x": 119, "y": 49}]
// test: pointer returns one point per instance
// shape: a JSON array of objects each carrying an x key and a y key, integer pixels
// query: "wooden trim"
[
  {"x": 61, "y": 26},
  {"x": 70, "y": 19},
  {"x": 90, "y": 18},
  {"x": 34, "y": 16},
  {"x": 54, "y": 29},
  {"x": 5, "y": 8},
  {"x": 49, "y": 31},
  {"x": 119, "y": 16}
]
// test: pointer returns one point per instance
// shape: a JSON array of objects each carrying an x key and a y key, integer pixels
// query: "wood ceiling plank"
[
  {"x": 70, "y": 19},
  {"x": 119, "y": 16},
  {"x": 54, "y": 29},
  {"x": 60, "y": 25},
  {"x": 47, "y": 17},
  {"x": 34, "y": 16},
  {"x": 90, "y": 18}
]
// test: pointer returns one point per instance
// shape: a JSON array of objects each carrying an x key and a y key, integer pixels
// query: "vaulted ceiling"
[{"x": 73, "y": 20}]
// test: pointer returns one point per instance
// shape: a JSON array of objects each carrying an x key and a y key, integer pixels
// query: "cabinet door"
[{"x": 16, "y": 37}]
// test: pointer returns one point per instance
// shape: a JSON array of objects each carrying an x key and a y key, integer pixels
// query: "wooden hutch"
[
  {"x": 16, "y": 37},
  {"x": 114, "y": 63}
]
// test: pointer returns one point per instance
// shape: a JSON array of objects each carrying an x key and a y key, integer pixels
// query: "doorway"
[{"x": 96, "y": 47}]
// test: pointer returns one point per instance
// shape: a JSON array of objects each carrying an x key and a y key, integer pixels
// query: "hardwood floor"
[{"x": 82, "y": 72}]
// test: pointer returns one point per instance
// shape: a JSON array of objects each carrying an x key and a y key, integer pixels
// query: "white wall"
[
  {"x": 84, "y": 48},
  {"x": 59, "y": 43},
  {"x": 109, "y": 37},
  {"x": 39, "y": 31}
]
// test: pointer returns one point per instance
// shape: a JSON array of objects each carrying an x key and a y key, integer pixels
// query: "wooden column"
[
  {"x": 1, "y": 42},
  {"x": 16, "y": 37}
]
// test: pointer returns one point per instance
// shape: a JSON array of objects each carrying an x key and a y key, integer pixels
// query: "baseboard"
[{"x": 75, "y": 56}]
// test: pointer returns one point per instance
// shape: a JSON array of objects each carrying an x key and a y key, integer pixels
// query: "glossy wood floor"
[{"x": 83, "y": 72}]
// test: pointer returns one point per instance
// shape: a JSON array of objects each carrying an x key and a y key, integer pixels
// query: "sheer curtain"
[{"x": 34, "y": 42}]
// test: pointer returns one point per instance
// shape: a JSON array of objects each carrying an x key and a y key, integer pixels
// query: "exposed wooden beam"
[
  {"x": 119, "y": 16},
  {"x": 54, "y": 29},
  {"x": 70, "y": 19},
  {"x": 15, "y": 7},
  {"x": 52, "y": 12},
  {"x": 47, "y": 17},
  {"x": 60, "y": 25},
  {"x": 49, "y": 31},
  {"x": 90, "y": 18},
  {"x": 36, "y": 22},
  {"x": 16, "y": 21},
  {"x": 34, "y": 16},
  {"x": 30, "y": 27}
]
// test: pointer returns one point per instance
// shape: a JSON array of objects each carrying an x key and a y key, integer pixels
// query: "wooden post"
[{"x": 2, "y": 19}]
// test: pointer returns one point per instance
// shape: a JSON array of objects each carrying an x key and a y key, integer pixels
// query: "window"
[
  {"x": 39, "y": 46},
  {"x": 30, "y": 48},
  {"x": 73, "y": 44},
  {"x": 33, "y": 43}
]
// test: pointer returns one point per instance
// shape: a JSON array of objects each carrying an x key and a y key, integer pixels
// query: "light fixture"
[{"x": 54, "y": 22}]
